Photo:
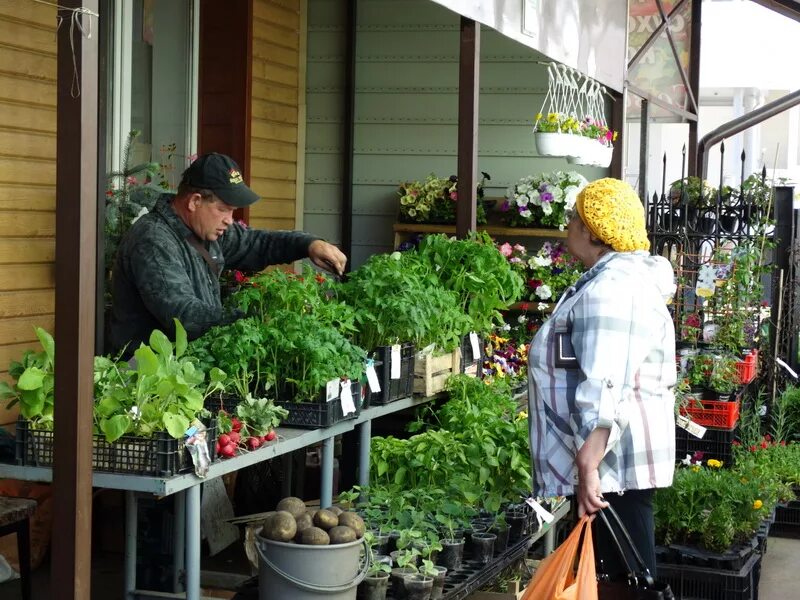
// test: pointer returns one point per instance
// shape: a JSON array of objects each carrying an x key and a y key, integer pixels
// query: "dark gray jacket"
[{"x": 158, "y": 275}]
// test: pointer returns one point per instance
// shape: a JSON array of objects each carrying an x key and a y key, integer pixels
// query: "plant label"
[
  {"x": 696, "y": 430},
  {"x": 539, "y": 510},
  {"x": 346, "y": 398},
  {"x": 332, "y": 390},
  {"x": 476, "y": 346},
  {"x": 372, "y": 377},
  {"x": 395, "y": 360}
]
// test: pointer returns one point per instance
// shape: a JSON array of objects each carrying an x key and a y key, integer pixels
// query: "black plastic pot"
[
  {"x": 398, "y": 580},
  {"x": 502, "y": 533},
  {"x": 438, "y": 582},
  {"x": 452, "y": 554},
  {"x": 373, "y": 587},
  {"x": 516, "y": 525},
  {"x": 483, "y": 546},
  {"x": 393, "y": 537},
  {"x": 381, "y": 545}
]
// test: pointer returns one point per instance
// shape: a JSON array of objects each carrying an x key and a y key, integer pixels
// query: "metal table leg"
[
  {"x": 364, "y": 438},
  {"x": 326, "y": 474},
  {"x": 130, "y": 544},
  {"x": 550, "y": 539},
  {"x": 193, "y": 543},
  {"x": 179, "y": 560}
]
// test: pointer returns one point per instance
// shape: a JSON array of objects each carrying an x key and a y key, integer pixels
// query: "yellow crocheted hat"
[{"x": 614, "y": 214}]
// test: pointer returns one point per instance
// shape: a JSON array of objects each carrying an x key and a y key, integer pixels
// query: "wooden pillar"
[
  {"x": 76, "y": 238},
  {"x": 468, "y": 93}
]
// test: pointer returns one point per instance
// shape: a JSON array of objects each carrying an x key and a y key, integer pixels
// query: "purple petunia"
[
  {"x": 505, "y": 206},
  {"x": 546, "y": 197}
]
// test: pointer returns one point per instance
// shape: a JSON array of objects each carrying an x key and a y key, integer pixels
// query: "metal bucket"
[{"x": 300, "y": 572}]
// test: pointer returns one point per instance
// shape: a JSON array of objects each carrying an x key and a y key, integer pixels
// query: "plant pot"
[
  {"x": 398, "y": 580},
  {"x": 501, "y": 531},
  {"x": 729, "y": 221},
  {"x": 438, "y": 582},
  {"x": 418, "y": 587},
  {"x": 706, "y": 223},
  {"x": 583, "y": 151},
  {"x": 373, "y": 587},
  {"x": 555, "y": 144},
  {"x": 381, "y": 545},
  {"x": 516, "y": 525},
  {"x": 452, "y": 554},
  {"x": 392, "y": 545},
  {"x": 483, "y": 546},
  {"x": 393, "y": 555}
]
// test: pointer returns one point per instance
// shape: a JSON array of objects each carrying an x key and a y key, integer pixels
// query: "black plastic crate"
[
  {"x": 313, "y": 415},
  {"x": 787, "y": 520},
  {"x": 733, "y": 559},
  {"x": 471, "y": 364},
  {"x": 222, "y": 401},
  {"x": 394, "y": 389},
  {"x": 716, "y": 443},
  {"x": 697, "y": 583},
  {"x": 160, "y": 456}
]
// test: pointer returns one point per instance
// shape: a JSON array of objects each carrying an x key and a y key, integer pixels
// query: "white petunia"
[
  {"x": 542, "y": 261},
  {"x": 547, "y": 208},
  {"x": 525, "y": 213},
  {"x": 544, "y": 292}
]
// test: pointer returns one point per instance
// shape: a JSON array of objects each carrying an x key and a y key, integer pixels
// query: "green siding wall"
[{"x": 406, "y": 112}]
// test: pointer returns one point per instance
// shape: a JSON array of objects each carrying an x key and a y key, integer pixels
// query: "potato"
[
  {"x": 341, "y": 534},
  {"x": 280, "y": 527},
  {"x": 304, "y": 521},
  {"x": 336, "y": 510},
  {"x": 314, "y": 536},
  {"x": 354, "y": 522},
  {"x": 292, "y": 505},
  {"x": 325, "y": 519}
]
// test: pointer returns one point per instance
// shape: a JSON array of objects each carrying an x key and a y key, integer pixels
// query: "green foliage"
[
  {"x": 435, "y": 200},
  {"x": 258, "y": 415},
  {"x": 477, "y": 272},
  {"x": 397, "y": 298},
  {"x": 34, "y": 377},
  {"x": 164, "y": 391},
  {"x": 785, "y": 415}
]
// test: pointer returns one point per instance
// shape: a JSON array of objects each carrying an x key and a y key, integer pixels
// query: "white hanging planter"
[
  {"x": 603, "y": 155},
  {"x": 555, "y": 144},
  {"x": 583, "y": 152}
]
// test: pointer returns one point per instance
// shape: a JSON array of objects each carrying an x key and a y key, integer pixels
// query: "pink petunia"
[{"x": 506, "y": 250}]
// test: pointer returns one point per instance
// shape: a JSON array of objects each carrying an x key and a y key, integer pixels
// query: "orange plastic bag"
[{"x": 556, "y": 578}]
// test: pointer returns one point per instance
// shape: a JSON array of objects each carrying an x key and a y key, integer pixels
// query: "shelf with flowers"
[
  {"x": 543, "y": 200},
  {"x": 434, "y": 201}
]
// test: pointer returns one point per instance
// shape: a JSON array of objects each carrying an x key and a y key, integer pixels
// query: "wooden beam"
[
  {"x": 76, "y": 237},
  {"x": 468, "y": 92}
]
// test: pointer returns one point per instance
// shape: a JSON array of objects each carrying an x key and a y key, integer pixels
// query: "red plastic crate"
[
  {"x": 715, "y": 413},
  {"x": 747, "y": 367}
]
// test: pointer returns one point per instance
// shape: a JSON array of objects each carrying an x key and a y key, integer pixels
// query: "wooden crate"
[{"x": 431, "y": 371}]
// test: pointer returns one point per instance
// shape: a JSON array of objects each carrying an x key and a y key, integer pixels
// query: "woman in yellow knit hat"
[{"x": 601, "y": 372}]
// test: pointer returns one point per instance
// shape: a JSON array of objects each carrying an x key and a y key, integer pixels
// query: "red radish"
[
  {"x": 236, "y": 424},
  {"x": 270, "y": 436},
  {"x": 224, "y": 439},
  {"x": 229, "y": 450},
  {"x": 253, "y": 443},
  {"x": 218, "y": 447},
  {"x": 234, "y": 437}
]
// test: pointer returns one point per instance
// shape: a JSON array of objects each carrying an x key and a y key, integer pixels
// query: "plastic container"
[
  {"x": 300, "y": 572},
  {"x": 712, "y": 584},
  {"x": 313, "y": 415},
  {"x": 714, "y": 413},
  {"x": 716, "y": 443},
  {"x": 394, "y": 389}
]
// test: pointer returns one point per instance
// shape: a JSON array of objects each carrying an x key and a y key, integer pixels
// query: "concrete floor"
[{"x": 779, "y": 576}]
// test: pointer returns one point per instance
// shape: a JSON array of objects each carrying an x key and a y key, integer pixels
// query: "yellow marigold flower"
[
  {"x": 552, "y": 117},
  {"x": 538, "y": 116},
  {"x": 757, "y": 504},
  {"x": 696, "y": 468},
  {"x": 714, "y": 463},
  {"x": 522, "y": 415}
]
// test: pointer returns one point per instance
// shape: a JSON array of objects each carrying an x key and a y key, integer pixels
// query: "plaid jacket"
[
  {"x": 615, "y": 324},
  {"x": 158, "y": 275}
]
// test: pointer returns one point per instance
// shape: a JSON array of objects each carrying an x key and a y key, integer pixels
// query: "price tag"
[
  {"x": 540, "y": 510},
  {"x": 332, "y": 390},
  {"x": 372, "y": 377},
  {"x": 696, "y": 430},
  {"x": 394, "y": 373},
  {"x": 476, "y": 345},
  {"x": 346, "y": 397},
  {"x": 471, "y": 370}
]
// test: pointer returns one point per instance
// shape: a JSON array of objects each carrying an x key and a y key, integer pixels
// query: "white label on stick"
[
  {"x": 540, "y": 510},
  {"x": 332, "y": 390},
  {"x": 476, "y": 345},
  {"x": 372, "y": 378},
  {"x": 395, "y": 359},
  {"x": 348, "y": 406}
]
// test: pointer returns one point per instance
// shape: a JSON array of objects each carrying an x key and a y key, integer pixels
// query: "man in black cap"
[{"x": 169, "y": 262}]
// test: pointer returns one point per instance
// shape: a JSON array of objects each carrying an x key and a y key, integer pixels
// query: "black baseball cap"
[{"x": 221, "y": 175}]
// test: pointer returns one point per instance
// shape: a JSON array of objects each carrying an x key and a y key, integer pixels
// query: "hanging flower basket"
[{"x": 556, "y": 144}]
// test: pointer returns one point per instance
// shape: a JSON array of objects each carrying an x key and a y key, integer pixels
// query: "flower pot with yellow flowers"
[{"x": 556, "y": 134}]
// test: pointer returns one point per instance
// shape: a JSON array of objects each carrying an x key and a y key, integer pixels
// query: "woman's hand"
[{"x": 589, "y": 495}]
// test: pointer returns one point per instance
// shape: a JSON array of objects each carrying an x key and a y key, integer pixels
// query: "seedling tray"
[
  {"x": 324, "y": 413},
  {"x": 787, "y": 520},
  {"x": 716, "y": 443},
  {"x": 698, "y": 583},
  {"x": 394, "y": 389},
  {"x": 159, "y": 456}
]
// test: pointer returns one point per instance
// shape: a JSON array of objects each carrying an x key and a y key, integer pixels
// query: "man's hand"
[{"x": 327, "y": 256}]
